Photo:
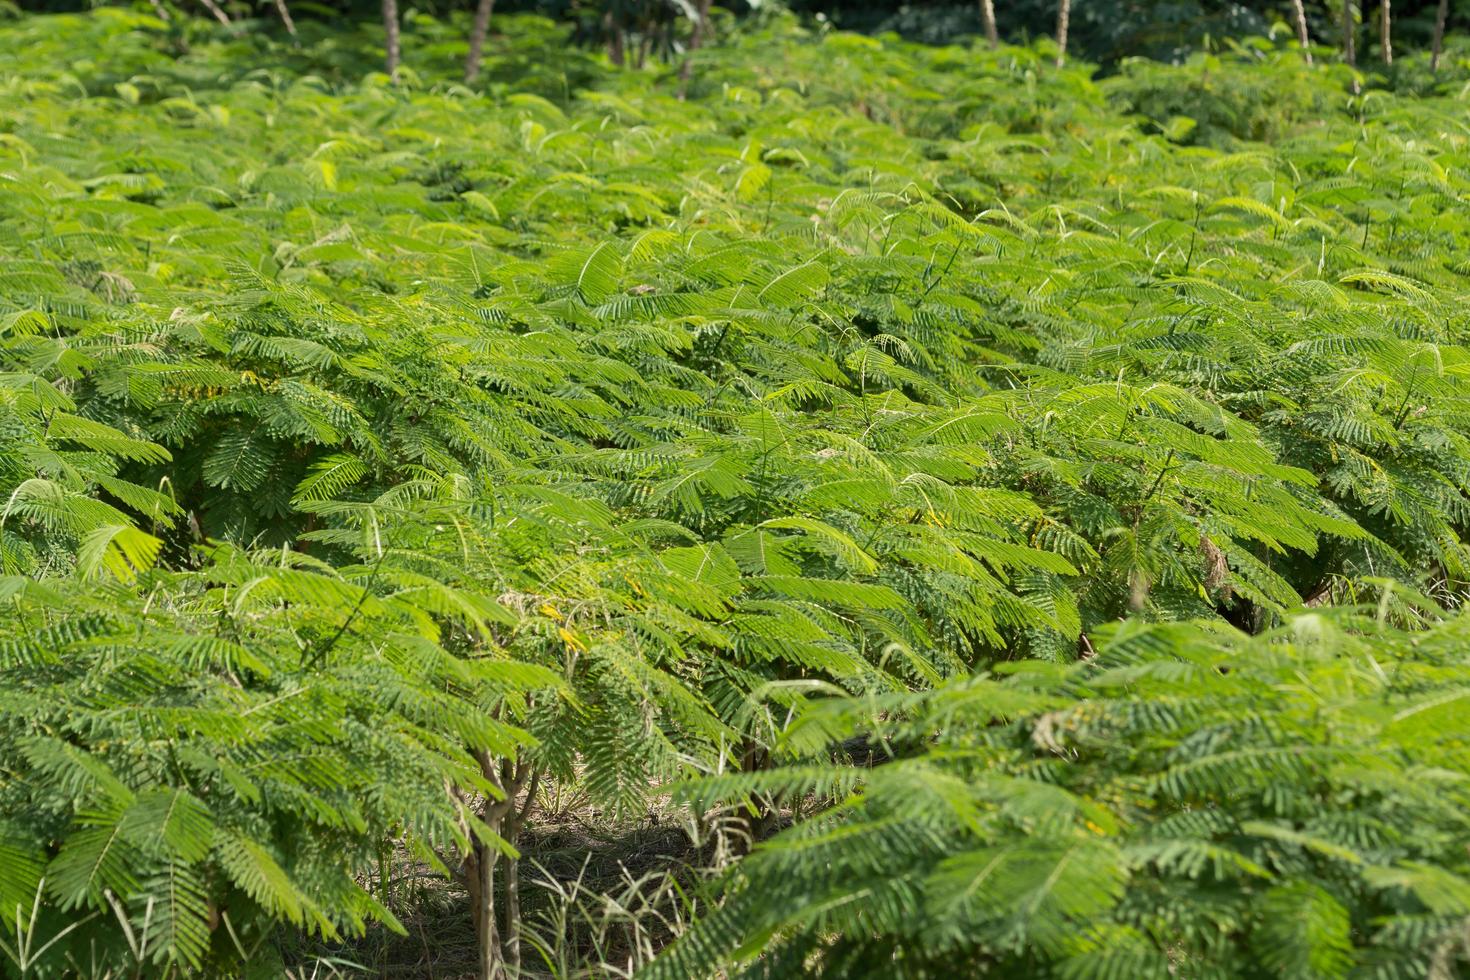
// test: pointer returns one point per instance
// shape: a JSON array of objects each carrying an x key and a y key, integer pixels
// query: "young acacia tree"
[{"x": 599, "y": 707}]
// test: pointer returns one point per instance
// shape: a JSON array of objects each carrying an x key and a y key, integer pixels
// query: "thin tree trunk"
[
  {"x": 1305, "y": 39},
  {"x": 512, "y": 929},
  {"x": 616, "y": 49},
  {"x": 477, "y": 39},
  {"x": 696, "y": 39},
  {"x": 1064, "y": 17},
  {"x": 750, "y": 823},
  {"x": 1349, "y": 41},
  {"x": 1437, "y": 46},
  {"x": 1384, "y": 17},
  {"x": 285, "y": 13},
  {"x": 479, "y": 874},
  {"x": 498, "y": 927},
  {"x": 218, "y": 12},
  {"x": 390, "y": 29},
  {"x": 481, "y": 881},
  {"x": 987, "y": 17},
  {"x": 160, "y": 10}
]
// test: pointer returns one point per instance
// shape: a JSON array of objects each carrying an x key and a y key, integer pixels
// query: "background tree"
[
  {"x": 1437, "y": 45},
  {"x": 697, "y": 33},
  {"x": 216, "y": 11},
  {"x": 284, "y": 12},
  {"x": 1299, "y": 15},
  {"x": 1384, "y": 32},
  {"x": 987, "y": 20},
  {"x": 390, "y": 34},
  {"x": 1064, "y": 17},
  {"x": 483, "y": 9}
]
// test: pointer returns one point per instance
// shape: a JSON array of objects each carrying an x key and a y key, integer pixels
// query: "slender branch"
[
  {"x": 1168, "y": 461},
  {"x": 285, "y": 13},
  {"x": 218, "y": 12},
  {"x": 367, "y": 589}
]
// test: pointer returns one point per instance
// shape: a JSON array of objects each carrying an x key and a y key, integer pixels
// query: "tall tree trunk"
[
  {"x": 1300, "y": 14},
  {"x": 390, "y": 29},
  {"x": 1064, "y": 17},
  {"x": 987, "y": 18},
  {"x": 285, "y": 13},
  {"x": 1437, "y": 46},
  {"x": 1384, "y": 18},
  {"x": 477, "y": 39},
  {"x": 160, "y": 10},
  {"x": 696, "y": 40}
]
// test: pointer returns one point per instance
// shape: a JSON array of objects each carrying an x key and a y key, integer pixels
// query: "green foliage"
[
  {"x": 1212, "y": 102},
  {"x": 359, "y": 442},
  {"x": 1189, "y": 802},
  {"x": 191, "y": 758}
]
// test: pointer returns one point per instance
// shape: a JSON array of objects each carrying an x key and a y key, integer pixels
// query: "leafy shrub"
[
  {"x": 1190, "y": 801},
  {"x": 192, "y": 759},
  {"x": 1263, "y": 96}
]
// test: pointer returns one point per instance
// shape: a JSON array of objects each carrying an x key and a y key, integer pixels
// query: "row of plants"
[{"x": 378, "y": 458}]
